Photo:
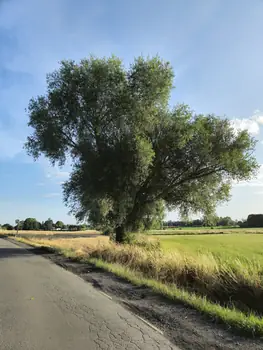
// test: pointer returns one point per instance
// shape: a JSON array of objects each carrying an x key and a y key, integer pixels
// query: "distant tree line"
[
  {"x": 205, "y": 221},
  {"x": 253, "y": 220},
  {"x": 32, "y": 224}
]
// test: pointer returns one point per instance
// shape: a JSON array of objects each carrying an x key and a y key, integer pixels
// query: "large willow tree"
[{"x": 131, "y": 153}]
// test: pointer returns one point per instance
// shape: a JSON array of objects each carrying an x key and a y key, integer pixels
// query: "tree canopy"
[
  {"x": 131, "y": 153},
  {"x": 48, "y": 225},
  {"x": 31, "y": 224},
  {"x": 7, "y": 227},
  {"x": 59, "y": 224},
  {"x": 255, "y": 220}
]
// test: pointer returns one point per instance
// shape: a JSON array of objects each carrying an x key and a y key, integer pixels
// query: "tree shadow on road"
[{"x": 18, "y": 252}]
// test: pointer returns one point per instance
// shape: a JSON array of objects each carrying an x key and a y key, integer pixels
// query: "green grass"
[
  {"x": 201, "y": 227},
  {"x": 206, "y": 230},
  {"x": 242, "y": 246},
  {"x": 216, "y": 274},
  {"x": 250, "y": 324}
]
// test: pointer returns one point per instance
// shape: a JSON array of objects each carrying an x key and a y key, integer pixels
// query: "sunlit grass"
[
  {"x": 245, "y": 247},
  {"x": 250, "y": 324},
  {"x": 206, "y": 230},
  {"x": 228, "y": 287}
]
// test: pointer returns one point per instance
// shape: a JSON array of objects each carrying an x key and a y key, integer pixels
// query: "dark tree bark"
[{"x": 120, "y": 234}]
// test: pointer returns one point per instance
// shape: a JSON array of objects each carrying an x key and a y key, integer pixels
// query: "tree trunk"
[{"x": 120, "y": 234}]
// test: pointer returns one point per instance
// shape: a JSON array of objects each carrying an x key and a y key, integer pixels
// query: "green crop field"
[
  {"x": 219, "y": 274},
  {"x": 236, "y": 245},
  {"x": 187, "y": 228},
  {"x": 205, "y": 230}
]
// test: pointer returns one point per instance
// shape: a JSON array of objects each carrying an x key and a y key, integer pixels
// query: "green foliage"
[
  {"x": 242, "y": 223},
  {"x": 154, "y": 216},
  {"x": 130, "y": 151},
  {"x": 31, "y": 224},
  {"x": 225, "y": 221},
  {"x": 7, "y": 227},
  {"x": 59, "y": 224},
  {"x": 48, "y": 225},
  {"x": 255, "y": 220},
  {"x": 210, "y": 219}
]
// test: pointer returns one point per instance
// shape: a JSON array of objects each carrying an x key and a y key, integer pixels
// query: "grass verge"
[{"x": 248, "y": 323}]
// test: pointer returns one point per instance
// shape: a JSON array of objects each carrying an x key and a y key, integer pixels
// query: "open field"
[
  {"x": 51, "y": 234},
  {"x": 206, "y": 230},
  {"x": 79, "y": 244},
  {"x": 167, "y": 228},
  {"x": 245, "y": 247},
  {"x": 221, "y": 275},
  {"x": 48, "y": 233}
]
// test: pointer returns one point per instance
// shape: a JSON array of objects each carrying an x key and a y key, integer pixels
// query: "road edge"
[{"x": 187, "y": 338}]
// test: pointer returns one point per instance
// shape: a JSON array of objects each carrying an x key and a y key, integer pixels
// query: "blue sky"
[{"x": 215, "y": 47}]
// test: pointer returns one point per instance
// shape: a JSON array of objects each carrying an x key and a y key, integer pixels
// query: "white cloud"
[
  {"x": 40, "y": 184},
  {"x": 259, "y": 119},
  {"x": 252, "y": 124},
  {"x": 51, "y": 195},
  {"x": 246, "y": 124}
]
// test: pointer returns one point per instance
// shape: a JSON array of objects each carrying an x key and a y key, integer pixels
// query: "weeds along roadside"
[{"x": 230, "y": 286}]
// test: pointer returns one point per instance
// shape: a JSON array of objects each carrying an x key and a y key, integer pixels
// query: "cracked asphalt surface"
[{"x": 43, "y": 306}]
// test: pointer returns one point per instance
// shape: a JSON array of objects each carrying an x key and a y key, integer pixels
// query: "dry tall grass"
[
  {"x": 230, "y": 281},
  {"x": 48, "y": 233}
]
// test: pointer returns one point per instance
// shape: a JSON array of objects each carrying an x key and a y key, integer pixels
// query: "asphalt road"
[{"x": 43, "y": 306}]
